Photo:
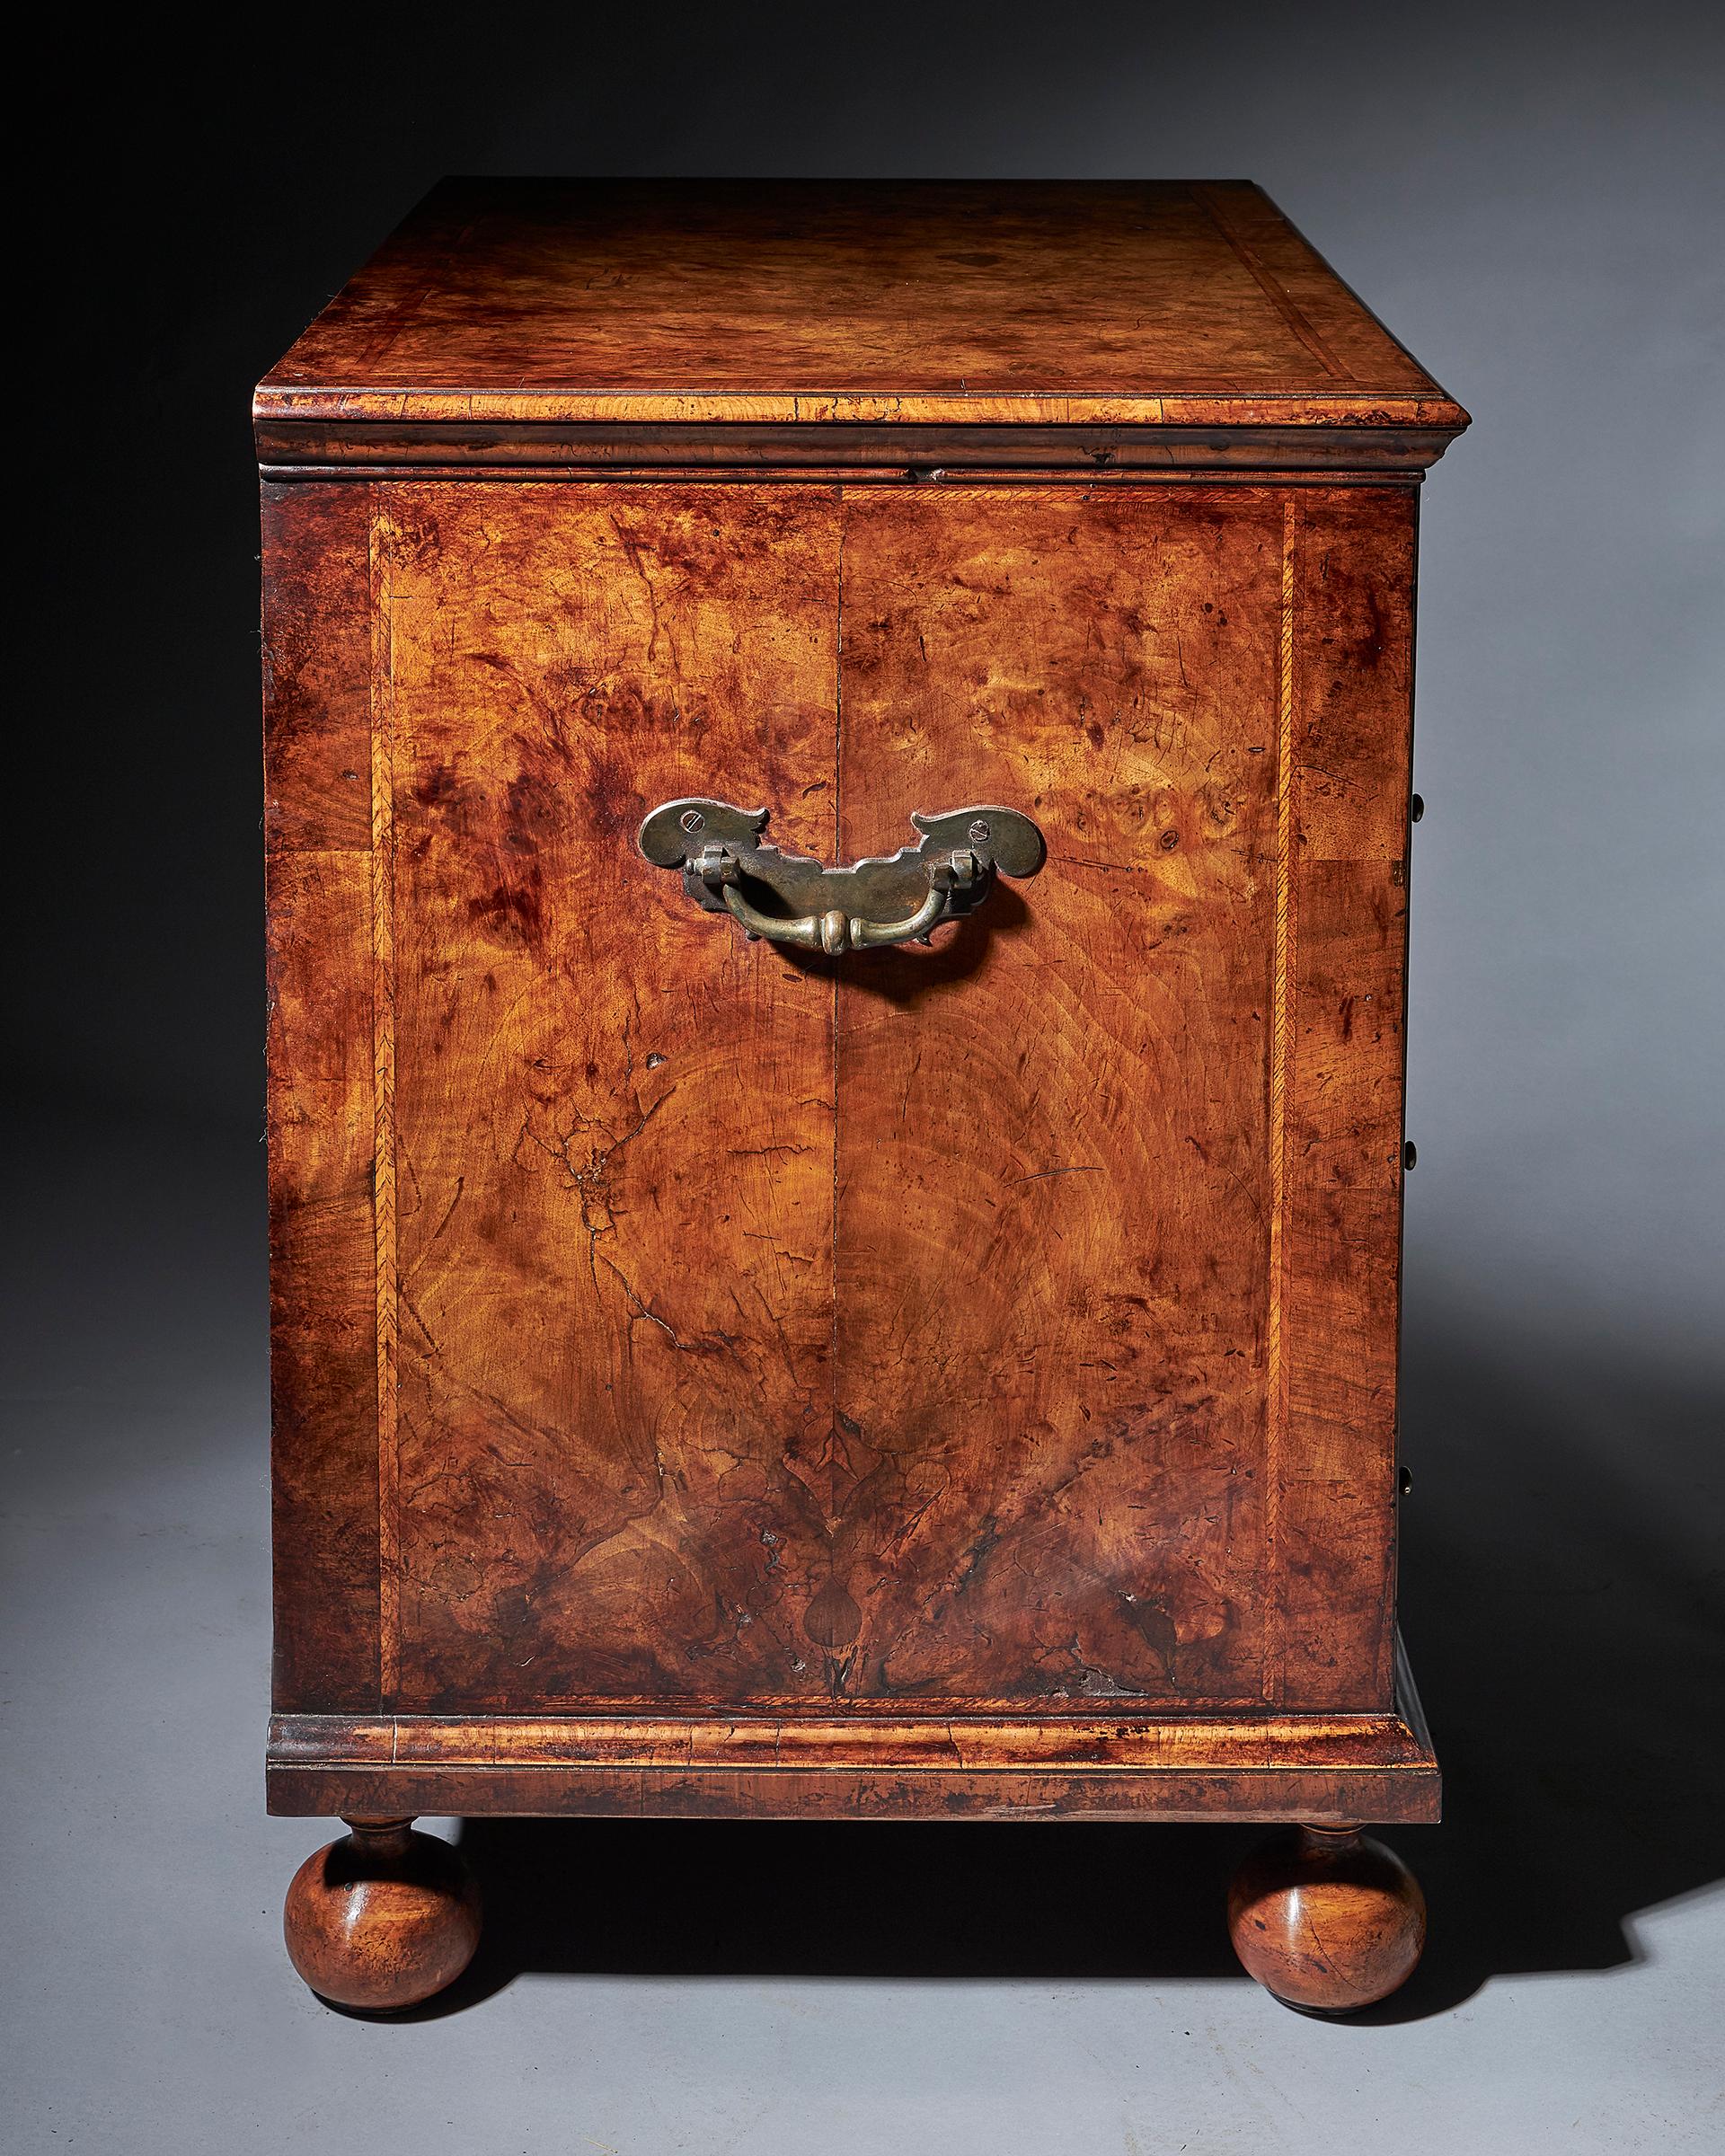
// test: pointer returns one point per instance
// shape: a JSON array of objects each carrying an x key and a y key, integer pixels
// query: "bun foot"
[
  {"x": 1327, "y": 1919},
  {"x": 383, "y": 1918}
]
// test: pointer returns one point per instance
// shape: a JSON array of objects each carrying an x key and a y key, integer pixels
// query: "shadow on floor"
[{"x": 1561, "y": 1593}]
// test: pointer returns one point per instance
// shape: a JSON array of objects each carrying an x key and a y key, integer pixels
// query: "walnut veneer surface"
[
  {"x": 713, "y": 1376},
  {"x": 509, "y": 308}
]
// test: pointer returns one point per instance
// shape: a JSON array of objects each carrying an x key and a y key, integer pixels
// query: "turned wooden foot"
[
  {"x": 383, "y": 1918},
  {"x": 1327, "y": 1919}
]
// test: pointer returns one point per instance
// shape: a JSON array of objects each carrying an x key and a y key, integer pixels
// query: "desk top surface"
[{"x": 1140, "y": 304}]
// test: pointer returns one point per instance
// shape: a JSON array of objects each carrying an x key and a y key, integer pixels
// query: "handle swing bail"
[{"x": 788, "y": 898}]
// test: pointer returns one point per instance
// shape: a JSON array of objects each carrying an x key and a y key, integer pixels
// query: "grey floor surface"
[{"x": 647, "y": 1989}]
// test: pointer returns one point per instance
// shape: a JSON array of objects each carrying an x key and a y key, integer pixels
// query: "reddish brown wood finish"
[
  {"x": 1327, "y": 1919},
  {"x": 1092, "y": 1395},
  {"x": 323, "y": 1109},
  {"x": 317, "y": 669},
  {"x": 383, "y": 1918},
  {"x": 863, "y": 1764},
  {"x": 505, "y": 310},
  {"x": 617, "y": 1128},
  {"x": 1053, "y": 1257},
  {"x": 712, "y": 1379}
]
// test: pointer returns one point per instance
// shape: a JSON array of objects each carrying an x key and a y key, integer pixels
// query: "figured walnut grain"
[{"x": 517, "y": 305}]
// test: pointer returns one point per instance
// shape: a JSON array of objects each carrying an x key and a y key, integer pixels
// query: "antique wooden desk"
[{"x": 914, "y": 1340}]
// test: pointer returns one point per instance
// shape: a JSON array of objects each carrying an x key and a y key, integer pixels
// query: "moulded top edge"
[{"x": 384, "y": 407}]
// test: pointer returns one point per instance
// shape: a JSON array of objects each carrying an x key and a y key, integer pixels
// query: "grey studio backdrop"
[{"x": 1532, "y": 199}]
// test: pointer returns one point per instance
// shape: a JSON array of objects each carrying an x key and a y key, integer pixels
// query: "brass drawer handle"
[{"x": 901, "y": 898}]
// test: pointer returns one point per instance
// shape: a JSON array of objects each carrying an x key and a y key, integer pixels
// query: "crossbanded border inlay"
[
  {"x": 1281, "y": 1047},
  {"x": 383, "y": 539},
  {"x": 383, "y": 1050}
]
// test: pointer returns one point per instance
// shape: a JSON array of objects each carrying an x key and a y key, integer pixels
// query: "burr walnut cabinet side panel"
[{"x": 665, "y": 1318}]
